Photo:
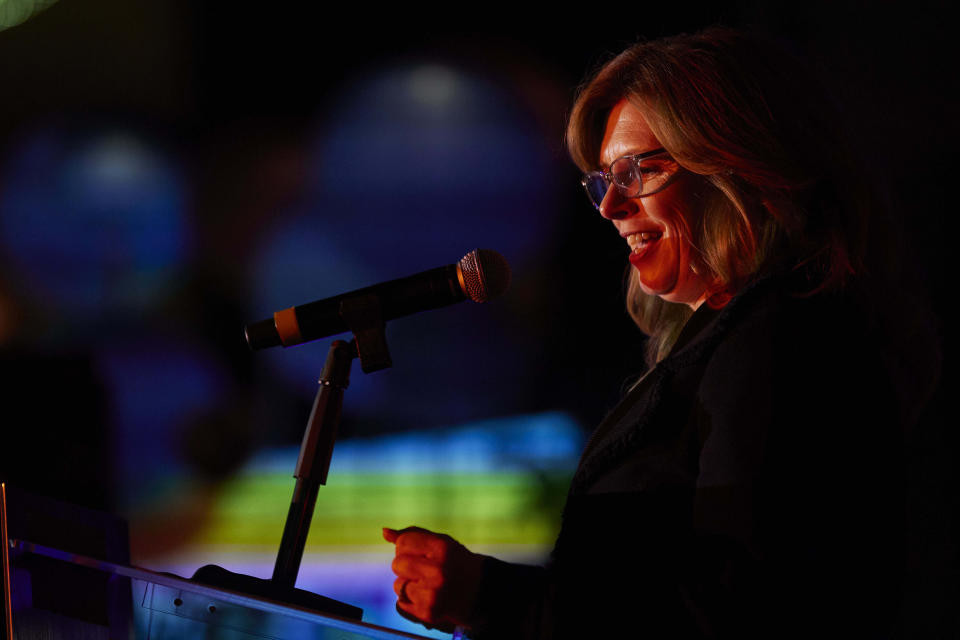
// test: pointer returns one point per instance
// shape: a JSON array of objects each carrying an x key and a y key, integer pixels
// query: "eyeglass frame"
[{"x": 608, "y": 178}]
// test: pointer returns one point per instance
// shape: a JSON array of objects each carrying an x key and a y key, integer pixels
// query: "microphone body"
[{"x": 480, "y": 275}]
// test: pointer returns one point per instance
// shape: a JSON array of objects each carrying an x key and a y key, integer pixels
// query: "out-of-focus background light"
[
  {"x": 13, "y": 12},
  {"x": 94, "y": 224},
  {"x": 172, "y": 171}
]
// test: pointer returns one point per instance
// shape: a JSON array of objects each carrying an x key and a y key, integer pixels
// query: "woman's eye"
[
  {"x": 657, "y": 170},
  {"x": 623, "y": 178}
]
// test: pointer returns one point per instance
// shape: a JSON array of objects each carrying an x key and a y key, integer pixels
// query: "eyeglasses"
[{"x": 636, "y": 176}]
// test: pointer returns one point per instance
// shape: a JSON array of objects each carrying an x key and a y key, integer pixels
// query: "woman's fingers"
[
  {"x": 437, "y": 577},
  {"x": 419, "y": 541},
  {"x": 417, "y": 600},
  {"x": 400, "y": 588},
  {"x": 418, "y": 568},
  {"x": 422, "y": 602}
]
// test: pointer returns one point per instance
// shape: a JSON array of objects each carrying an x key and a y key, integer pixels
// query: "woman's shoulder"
[
  {"x": 776, "y": 338},
  {"x": 781, "y": 306},
  {"x": 767, "y": 310}
]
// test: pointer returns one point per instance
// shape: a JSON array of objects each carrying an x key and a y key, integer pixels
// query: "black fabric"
[{"x": 749, "y": 485}]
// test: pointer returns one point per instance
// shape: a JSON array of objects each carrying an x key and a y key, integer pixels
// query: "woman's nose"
[{"x": 615, "y": 206}]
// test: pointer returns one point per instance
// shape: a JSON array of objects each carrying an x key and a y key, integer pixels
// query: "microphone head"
[{"x": 484, "y": 274}]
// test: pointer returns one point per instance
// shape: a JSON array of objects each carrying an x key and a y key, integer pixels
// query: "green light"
[
  {"x": 476, "y": 508},
  {"x": 14, "y": 12}
]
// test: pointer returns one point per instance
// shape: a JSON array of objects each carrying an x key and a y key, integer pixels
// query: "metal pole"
[{"x": 314, "y": 461}]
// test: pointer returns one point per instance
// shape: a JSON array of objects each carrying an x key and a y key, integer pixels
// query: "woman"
[{"x": 749, "y": 483}]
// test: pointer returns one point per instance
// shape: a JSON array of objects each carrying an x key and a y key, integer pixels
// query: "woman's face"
[{"x": 652, "y": 225}]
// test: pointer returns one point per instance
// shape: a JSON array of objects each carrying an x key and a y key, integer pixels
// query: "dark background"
[{"x": 232, "y": 90}]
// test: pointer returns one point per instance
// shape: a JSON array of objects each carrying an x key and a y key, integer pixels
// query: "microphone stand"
[
  {"x": 314, "y": 461},
  {"x": 364, "y": 317}
]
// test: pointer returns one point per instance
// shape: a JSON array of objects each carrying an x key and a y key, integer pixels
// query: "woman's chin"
[
  {"x": 690, "y": 291},
  {"x": 660, "y": 285}
]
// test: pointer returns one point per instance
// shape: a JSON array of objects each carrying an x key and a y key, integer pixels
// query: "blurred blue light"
[
  {"x": 435, "y": 86},
  {"x": 545, "y": 441},
  {"x": 155, "y": 387},
  {"x": 428, "y": 157},
  {"x": 93, "y": 226}
]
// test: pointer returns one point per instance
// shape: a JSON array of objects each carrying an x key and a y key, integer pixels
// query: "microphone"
[{"x": 480, "y": 275}]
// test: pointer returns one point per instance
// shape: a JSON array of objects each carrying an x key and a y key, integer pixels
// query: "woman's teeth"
[{"x": 638, "y": 240}]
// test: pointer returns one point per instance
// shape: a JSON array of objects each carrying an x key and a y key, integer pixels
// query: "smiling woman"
[
  {"x": 750, "y": 484},
  {"x": 772, "y": 184},
  {"x": 654, "y": 220}
]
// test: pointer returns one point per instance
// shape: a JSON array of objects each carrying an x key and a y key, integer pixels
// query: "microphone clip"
[{"x": 363, "y": 315}]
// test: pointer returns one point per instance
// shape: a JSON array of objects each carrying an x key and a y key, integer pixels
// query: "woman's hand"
[{"x": 437, "y": 577}]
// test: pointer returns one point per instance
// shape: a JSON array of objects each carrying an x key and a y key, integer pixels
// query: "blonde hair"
[{"x": 750, "y": 120}]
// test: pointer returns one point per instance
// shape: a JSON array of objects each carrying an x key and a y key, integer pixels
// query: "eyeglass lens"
[
  {"x": 633, "y": 176},
  {"x": 596, "y": 186},
  {"x": 625, "y": 173}
]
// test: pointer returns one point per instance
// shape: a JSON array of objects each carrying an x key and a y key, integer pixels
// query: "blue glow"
[
  {"x": 550, "y": 440},
  {"x": 440, "y": 157},
  {"x": 155, "y": 387},
  {"x": 93, "y": 226}
]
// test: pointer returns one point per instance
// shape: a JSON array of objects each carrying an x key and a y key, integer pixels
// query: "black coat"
[{"x": 749, "y": 485}]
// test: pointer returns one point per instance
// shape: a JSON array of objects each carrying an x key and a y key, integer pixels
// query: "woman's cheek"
[{"x": 658, "y": 267}]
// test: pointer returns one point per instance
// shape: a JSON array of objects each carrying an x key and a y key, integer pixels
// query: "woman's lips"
[{"x": 640, "y": 243}]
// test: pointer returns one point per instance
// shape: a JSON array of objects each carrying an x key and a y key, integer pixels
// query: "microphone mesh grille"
[{"x": 486, "y": 274}]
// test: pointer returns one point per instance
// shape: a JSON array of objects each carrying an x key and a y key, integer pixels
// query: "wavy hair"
[{"x": 779, "y": 188}]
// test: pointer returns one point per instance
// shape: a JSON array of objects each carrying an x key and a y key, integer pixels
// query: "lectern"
[{"x": 66, "y": 576}]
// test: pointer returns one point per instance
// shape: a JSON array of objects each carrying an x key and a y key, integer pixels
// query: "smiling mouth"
[{"x": 640, "y": 242}]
